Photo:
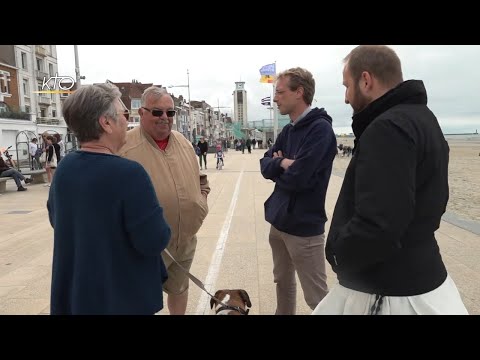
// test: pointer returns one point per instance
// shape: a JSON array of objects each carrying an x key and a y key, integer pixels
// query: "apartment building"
[
  {"x": 26, "y": 69},
  {"x": 132, "y": 96}
]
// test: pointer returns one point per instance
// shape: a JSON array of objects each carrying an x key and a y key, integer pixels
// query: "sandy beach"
[{"x": 463, "y": 177}]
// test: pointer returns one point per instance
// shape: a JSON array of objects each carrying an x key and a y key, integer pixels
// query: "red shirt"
[{"x": 162, "y": 144}]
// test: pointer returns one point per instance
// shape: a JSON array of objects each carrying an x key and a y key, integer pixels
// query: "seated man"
[{"x": 6, "y": 170}]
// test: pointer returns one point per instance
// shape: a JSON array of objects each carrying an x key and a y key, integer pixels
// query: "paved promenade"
[{"x": 233, "y": 249}]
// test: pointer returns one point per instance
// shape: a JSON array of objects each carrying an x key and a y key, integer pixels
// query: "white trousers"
[{"x": 444, "y": 300}]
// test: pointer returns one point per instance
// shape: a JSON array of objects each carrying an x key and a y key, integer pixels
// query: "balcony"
[
  {"x": 47, "y": 121},
  {"x": 40, "y": 50},
  {"x": 14, "y": 115},
  {"x": 45, "y": 100},
  {"x": 41, "y": 75}
]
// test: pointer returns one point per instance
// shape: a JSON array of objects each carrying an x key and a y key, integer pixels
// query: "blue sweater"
[
  {"x": 109, "y": 231},
  {"x": 297, "y": 204}
]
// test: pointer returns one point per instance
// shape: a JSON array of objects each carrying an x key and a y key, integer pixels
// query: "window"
[
  {"x": 39, "y": 64},
  {"x": 50, "y": 70},
  {"x": 43, "y": 112},
  {"x": 239, "y": 98},
  {"x": 27, "y": 109},
  {"x": 4, "y": 82},
  {"x": 26, "y": 91},
  {"x": 136, "y": 103},
  {"x": 3, "y": 107},
  {"x": 24, "y": 60},
  {"x": 54, "y": 113}
]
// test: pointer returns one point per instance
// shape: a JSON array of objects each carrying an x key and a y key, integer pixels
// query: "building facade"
[{"x": 27, "y": 69}]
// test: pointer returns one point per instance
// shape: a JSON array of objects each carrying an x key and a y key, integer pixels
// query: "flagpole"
[
  {"x": 267, "y": 75},
  {"x": 270, "y": 109},
  {"x": 275, "y": 116}
]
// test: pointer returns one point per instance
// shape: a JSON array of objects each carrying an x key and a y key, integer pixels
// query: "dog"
[{"x": 237, "y": 302}]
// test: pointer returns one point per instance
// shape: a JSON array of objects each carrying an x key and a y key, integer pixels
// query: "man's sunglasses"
[
  {"x": 156, "y": 112},
  {"x": 125, "y": 113}
]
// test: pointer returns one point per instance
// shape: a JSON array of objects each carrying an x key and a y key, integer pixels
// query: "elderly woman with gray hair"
[{"x": 108, "y": 238}]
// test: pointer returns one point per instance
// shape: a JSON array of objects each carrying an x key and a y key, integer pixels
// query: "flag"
[
  {"x": 268, "y": 69},
  {"x": 266, "y": 101},
  {"x": 267, "y": 79}
]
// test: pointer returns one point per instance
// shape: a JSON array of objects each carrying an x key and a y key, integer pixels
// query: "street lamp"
[
  {"x": 187, "y": 86},
  {"x": 219, "y": 114},
  {"x": 77, "y": 68}
]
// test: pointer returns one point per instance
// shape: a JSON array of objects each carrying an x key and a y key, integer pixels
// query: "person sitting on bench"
[{"x": 6, "y": 170}]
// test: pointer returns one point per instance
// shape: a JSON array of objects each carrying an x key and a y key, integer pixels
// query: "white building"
[{"x": 34, "y": 64}]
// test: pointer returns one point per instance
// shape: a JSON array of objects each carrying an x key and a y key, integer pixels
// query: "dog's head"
[{"x": 237, "y": 301}]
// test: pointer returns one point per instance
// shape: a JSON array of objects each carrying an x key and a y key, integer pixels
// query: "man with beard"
[
  {"x": 170, "y": 160},
  {"x": 381, "y": 241}
]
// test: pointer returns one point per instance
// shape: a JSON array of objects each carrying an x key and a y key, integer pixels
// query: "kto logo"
[{"x": 57, "y": 85}]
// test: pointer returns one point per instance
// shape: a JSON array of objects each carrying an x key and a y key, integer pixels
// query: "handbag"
[{"x": 53, "y": 163}]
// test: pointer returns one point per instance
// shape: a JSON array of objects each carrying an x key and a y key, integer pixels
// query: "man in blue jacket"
[{"x": 300, "y": 164}]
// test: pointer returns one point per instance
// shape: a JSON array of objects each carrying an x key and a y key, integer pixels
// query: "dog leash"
[{"x": 200, "y": 284}]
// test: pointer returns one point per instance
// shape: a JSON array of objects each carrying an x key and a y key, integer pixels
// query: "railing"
[
  {"x": 44, "y": 100},
  {"x": 267, "y": 124},
  {"x": 15, "y": 115},
  {"x": 47, "y": 121},
  {"x": 41, "y": 75}
]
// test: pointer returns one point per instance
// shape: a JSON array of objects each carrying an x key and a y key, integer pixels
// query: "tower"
[{"x": 240, "y": 104}]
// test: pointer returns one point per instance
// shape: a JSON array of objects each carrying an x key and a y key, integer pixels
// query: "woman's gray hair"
[
  {"x": 85, "y": 106},
  {"x": 154, "y": 92}
]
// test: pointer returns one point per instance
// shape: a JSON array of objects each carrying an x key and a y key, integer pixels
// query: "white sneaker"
[{"x": 46, "y": 185}]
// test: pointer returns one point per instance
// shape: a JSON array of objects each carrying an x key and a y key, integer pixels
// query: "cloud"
[{"x": 450, "y": 73}]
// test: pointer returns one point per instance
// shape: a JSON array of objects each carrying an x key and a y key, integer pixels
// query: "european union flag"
[{"x": 268, "y": 69}]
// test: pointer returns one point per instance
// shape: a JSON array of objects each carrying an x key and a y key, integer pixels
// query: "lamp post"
[
  {"x": 77, "y": 68},
  {"x": 219, "y": 115},
  {"x": 189, "y": 106}
]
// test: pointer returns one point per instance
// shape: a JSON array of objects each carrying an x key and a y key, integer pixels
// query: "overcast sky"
[{"x": 450, "y": 72}]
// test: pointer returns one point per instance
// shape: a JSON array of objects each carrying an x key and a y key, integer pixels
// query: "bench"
[
  {"x": 3, "y": 183},
  {"x": 37, "y": 176}
]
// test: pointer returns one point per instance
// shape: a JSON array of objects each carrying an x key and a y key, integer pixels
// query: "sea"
[{"x": 475, "y": 137}]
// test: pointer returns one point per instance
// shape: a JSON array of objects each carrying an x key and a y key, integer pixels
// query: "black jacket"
[
  {"x": 51, "y": 149},
  {"x": 381, "y": 239},
  {"x": 297, "y": 204},
  {"x": 203, "y": 147},
  {"x": 3, "y": 165}
]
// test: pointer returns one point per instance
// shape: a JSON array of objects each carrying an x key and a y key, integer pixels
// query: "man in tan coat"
[{"x": 169, "y": 159}]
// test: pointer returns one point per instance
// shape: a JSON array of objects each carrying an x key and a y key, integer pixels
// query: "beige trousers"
[{"x": 306, "y": 256}]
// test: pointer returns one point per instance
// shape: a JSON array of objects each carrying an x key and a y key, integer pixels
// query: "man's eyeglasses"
[{"x": 156, "y": 112}]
